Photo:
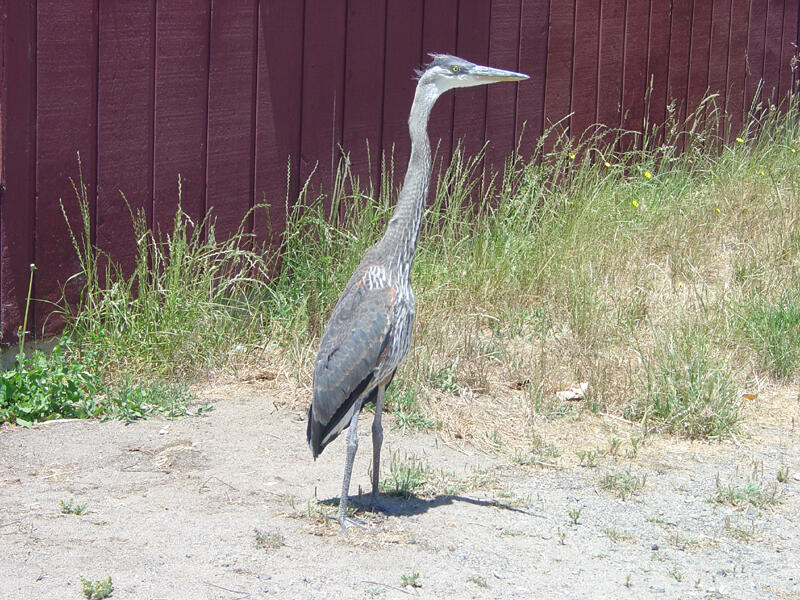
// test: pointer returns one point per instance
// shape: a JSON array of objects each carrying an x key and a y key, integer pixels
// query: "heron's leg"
[
  {"x": 377, "y": 440},
  {"x": 352, "y": 446}
]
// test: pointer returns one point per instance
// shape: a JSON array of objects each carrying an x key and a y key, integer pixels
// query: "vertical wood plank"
[
  {"x": 181, "y": 106},
  {"x": 679, "y": 43},
  {"x": 124, "y": 124},
  {"x": 789, "y": 41},
  {"x": 533, "y": 52},
  {"x": 558, "y": 81},
  {"x": 658, "y": 63},
  {"x": 637, "y": 21},
  {"x": 718, "y": 57},
  {"x": 772, "y": 50},
  {"x": 18, "y": 173},
  {"x": 323, "y": 91},
  {"x": 736, "y": 66},
  {"x": 363, "y": 108},
  {"x": 403, "y": 50},
  {"x": 278, "y": 115},
  {"x": 755, "y": 53},
  {"x": 501, "y": 100},
  {"x": 699, "y": 53},
  {"x": 66, "y": 112},
  {"x": 584, "y": 71},
  {"x": 229, "y": 187},
  {"x": 469, "y": 109},
  {"x": 609, "y": 67},
  {"x": 439, "y": 31}
]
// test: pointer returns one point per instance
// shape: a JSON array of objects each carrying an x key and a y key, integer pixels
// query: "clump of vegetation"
[
  {"x": 97, "y": 590},
  {"x": 70, "y": 508},
  {"x": 772, "y": 327},
  {"x": 268, "y": 540},
  {"x": 687, "y": 391},
  {"x": 624, "y": 484},
  {"x": 407, "y": 475}
]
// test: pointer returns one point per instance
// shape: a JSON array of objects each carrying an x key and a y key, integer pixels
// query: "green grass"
[
  {"x": 663, "y": 279},
  {"x": 688, "y": 391}
]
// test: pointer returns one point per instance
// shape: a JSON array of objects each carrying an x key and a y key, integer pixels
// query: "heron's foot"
[{"x": 346, "y": 522}]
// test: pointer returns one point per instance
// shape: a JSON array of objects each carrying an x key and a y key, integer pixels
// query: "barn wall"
[{"x": 233, "y": 96}]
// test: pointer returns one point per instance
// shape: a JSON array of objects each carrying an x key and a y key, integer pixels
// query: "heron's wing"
[{"x": 355, "y": 341}]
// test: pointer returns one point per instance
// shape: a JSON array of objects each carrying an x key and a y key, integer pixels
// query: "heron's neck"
[{"x": 402, "y": 233}]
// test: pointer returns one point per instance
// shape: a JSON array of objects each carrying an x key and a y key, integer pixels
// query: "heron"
[{"x": 368, "y": 333}]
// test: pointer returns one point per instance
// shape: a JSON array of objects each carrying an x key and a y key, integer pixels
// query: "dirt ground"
[{"x": 172, "y": 509}]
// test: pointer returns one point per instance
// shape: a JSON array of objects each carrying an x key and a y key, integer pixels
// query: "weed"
[
  {"x": 407, "y": 475},
  {"x": 628, "y": 580},
  {"x": 742, "y": 533},
  {"x": 411, "y": 580},
  {"x": 574, "y": 514},
  {"x": 614, "y": 446},
  {"x": 686, "y": 540},
  {"x": 783, "y": 474},
  {"x": 675, "y": 574},
  {"x": 688, "y": 392},
  {"x": 618, "y": 535},
  {"x": 70, "y": 508},
  {"x": 588, "y": 458},
  {"x": 268, "y": 540},
  {"x": 773, "y": 330},
  {"x": 479, "y": 581},
  {"x": 97, "y": 590},
  {"x": 623, "y": 484},
  {"x": 753, "y": 492}
]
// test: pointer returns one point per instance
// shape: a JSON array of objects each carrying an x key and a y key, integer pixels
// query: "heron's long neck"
[{"x": 402, "y": 233}]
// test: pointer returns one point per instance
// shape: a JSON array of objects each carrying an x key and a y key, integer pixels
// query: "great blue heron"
[{"x": 369, "y": 330}]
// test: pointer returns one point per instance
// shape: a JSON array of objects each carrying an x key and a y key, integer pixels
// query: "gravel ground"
[{"x": 172, "y": 509}]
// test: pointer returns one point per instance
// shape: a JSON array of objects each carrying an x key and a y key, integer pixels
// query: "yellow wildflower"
[
  {"x": 740, "y": 140},
  {"x": 607, "y": 165},
  {"x": 793, "y": 150},
  {"x": 571, "y": 156},
  {"x": 761, "y": 172},
  {"x": 648, "y": 174},
  {"x": 717, "y": 209},
  {"x": 635, "y": 204}
]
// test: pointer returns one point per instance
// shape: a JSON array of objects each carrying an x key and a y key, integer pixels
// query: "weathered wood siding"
[{"x": 235, "y": 96}]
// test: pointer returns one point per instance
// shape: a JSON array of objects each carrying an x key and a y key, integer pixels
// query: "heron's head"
[{"x": 448, "y": 72}]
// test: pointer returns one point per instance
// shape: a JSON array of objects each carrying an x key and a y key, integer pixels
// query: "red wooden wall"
[{"x": 234, "y": 95}]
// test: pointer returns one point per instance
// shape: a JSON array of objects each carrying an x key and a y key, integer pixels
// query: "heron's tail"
[{"x": 314, "y": 433}]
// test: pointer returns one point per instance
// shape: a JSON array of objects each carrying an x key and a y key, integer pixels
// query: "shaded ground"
[{"x": 172, "y": 508}]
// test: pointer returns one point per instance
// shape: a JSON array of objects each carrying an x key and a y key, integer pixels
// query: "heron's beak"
[{"x": 490, "y": 75}]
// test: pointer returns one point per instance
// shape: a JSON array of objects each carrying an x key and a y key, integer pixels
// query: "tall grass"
[{"x": 571, "y": 267}]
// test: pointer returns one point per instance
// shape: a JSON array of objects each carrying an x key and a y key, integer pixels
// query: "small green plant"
[
  {"x": 268, "y": 540},
  {"x": 618, "y": 535},
  {"x": 97, "y": 590},
  {"x": 407, "y": 475},
  {"x": 614, "y": 445},
  {"x": 675, "y": 574},
  {"x": 624, "y": 484},
  {"x": 634, "y": 450},
  {"x": 70, "y": 508},
  {"x": 588, "y": 458},
  {"x": 479, "y": 581},
  {"x": 574, "y": 513},
  {"x": 411, "y": 580},
  {"x": 628, "y": 580},
  {"x": 783, "y": 474}
]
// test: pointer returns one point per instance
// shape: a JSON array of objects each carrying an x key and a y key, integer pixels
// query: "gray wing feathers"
[{"x": 352, "y": 347}]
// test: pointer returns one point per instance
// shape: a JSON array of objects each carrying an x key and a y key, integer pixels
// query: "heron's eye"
[{"x": 455, "y": 68}]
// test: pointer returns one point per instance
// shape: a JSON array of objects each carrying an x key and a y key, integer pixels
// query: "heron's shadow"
[{"x": 406, "y": 506}]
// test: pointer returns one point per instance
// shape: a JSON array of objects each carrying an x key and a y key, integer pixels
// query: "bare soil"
[{"x": 172, "y": 509}]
